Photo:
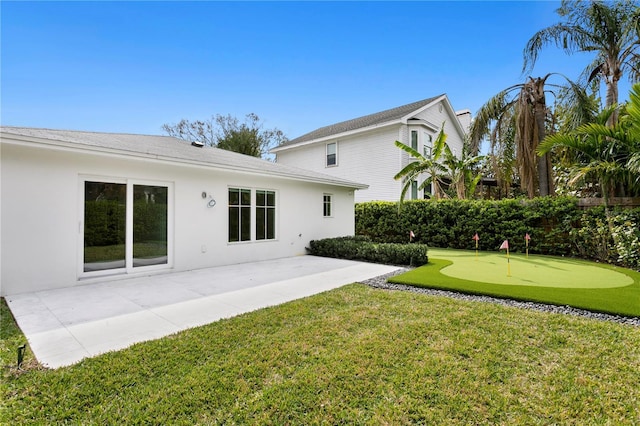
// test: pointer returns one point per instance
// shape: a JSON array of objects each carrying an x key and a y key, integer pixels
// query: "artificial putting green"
[
  {"x": 546, "y": 279},
  {"x": 541, "y": 271}
]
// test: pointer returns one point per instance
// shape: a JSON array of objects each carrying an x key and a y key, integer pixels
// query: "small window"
[
  {"x": 327, "y": 205},
  {"x": 414, "y": 190},
  {"x": 239, "y": 215},
  {"x": 265, "y": 215},
  {"x": 427, "y": 191},
  {"x": 332, "y": 154},
  {"x": 414, "y": 139}
]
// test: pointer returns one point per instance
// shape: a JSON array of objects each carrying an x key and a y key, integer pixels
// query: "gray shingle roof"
[
  {"x": 169, "y": 149},
  {"x": 361, "y": 122}
]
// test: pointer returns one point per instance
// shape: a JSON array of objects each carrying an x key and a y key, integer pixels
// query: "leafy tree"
[
  {"x": 520, "y": 112},
  {"x": 442, "y": 167},
  {"x": 604, "y": 154},
  {"x": 227, "y": 132},
  {"x": 462, "y": 171},
  {"x": 610, "y": 29},
  {"x": 430, "y": 166}
]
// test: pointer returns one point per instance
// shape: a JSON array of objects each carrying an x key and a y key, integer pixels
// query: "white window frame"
[
  {"x": 325, "y": 203},
  {"x": 326, "y": 158},
  {"x": 254, "y": 215},
  {"x": 411, "y": 133},
  {"x": 129, "y": 268}
]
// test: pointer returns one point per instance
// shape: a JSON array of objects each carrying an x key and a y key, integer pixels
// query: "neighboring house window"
[
  {"x": 239, "y": 215},
  {"x": 265, "y": 215},
  {"x": 414, "y": 139},
  {"x": 427, "y": 191},
  {"x": 427, "y": 140},
  {"x": 326, "y": 212},
  {"x": 414, "y": 190},
  {"x": 332, "y": 154},
  {"x": 125, "y": 225},
  {"x": 427, "y": 151}
]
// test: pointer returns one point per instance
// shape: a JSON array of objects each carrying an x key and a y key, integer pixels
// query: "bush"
[
  {"x": 613, "y": 240},
  {"x": 362, "y": 248},
  {"x": 556, "y": 226}
]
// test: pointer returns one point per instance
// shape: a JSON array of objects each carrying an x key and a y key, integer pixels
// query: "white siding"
[
  {"x": 41, "y": 216},
  {"x": 370, "y": 158},
  {"x": 436, "y": 116}
]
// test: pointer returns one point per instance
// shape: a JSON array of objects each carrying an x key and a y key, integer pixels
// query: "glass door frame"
[{"x": 129, "y": 268}]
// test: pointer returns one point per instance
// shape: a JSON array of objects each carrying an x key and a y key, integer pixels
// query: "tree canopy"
[
  {"x": 611, "y": 30},
  {"x": 227, "y": 132}
]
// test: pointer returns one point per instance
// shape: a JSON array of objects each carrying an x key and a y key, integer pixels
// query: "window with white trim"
[
  {"x": 332, "y": 154},
  {"x": 414, "y": 139},
  {"x": 239, "y": 215},
  {"x": 265, "y": 215},
  {"x": 414, "y": 190},
  {"x": 326, "y": 205},
  {"x": 125, "y": 225}
]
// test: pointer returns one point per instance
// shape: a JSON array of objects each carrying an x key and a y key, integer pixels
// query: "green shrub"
[
  {"x": 362, "y": 248},
  {"x": 616, "y": 240},
  {"x": 556, "y": 226}
]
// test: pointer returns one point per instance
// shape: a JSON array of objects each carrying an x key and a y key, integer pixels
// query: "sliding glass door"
[
  {"x": 149, "y": 225},
  {"x": 125, "y": 226},
  {"x": 105, "y": 208}
]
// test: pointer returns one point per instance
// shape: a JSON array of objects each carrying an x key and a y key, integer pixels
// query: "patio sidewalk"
[{"x": 66, "y": 325}]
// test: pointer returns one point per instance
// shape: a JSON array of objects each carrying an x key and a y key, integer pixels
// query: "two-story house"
[{"x": 363, "y": 149}]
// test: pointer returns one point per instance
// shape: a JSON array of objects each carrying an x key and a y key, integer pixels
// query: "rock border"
[{"x": 380, "y": 282}]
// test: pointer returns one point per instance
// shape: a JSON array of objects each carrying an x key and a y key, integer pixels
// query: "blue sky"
[{"x": 133, "y": 66}]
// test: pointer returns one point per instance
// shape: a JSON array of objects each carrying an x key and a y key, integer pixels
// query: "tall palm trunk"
[
  {"x": 612, "y": 74},
  {"x": 540, "y": 112}
]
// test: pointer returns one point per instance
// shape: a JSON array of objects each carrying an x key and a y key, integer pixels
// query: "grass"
[
  {"x": 355, "y": 355},
  {"x": 581, "y": 284}
]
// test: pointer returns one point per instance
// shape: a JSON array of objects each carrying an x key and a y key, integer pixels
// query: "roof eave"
[
  {"x": 23, "y": 140},
  {"x": 337, "y": 135}
]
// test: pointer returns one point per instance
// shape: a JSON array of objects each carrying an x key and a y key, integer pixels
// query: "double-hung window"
[
  {"x": 239, "y": 215},
  {"x": 414, "y": 139},
  {"x": 265, "y": 215},
  {"x": 332, "y": 154}
]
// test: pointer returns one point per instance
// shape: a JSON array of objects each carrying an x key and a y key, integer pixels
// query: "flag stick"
[{"x": 508, "y": 263}]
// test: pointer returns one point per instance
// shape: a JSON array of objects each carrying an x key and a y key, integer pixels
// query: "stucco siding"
[{"x": 42, "y": 214}]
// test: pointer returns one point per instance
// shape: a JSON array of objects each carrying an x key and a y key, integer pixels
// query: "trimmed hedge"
[
  {"x": 362, "y": 248},
  {"x": 556, "y": 226}
]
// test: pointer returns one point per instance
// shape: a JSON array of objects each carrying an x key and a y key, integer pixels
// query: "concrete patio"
[{"x": 66, "y": 325}]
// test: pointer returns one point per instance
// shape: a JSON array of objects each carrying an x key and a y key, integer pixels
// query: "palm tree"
[
  {"x": 612, "y": 30},
  {"x": 431, "y": 166},
  {"x": 607, "y": 155},
  {"x": 522, "y": 108}
]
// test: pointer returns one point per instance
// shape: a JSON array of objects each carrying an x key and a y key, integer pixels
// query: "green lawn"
[
  {"x": 355, "y": 355},
  {"x": 560, "y": 281}
]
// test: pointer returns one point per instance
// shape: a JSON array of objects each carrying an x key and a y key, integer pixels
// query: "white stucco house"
[
  {"x": 81, "y": 207},
  {"x": 363, "y": 150}
]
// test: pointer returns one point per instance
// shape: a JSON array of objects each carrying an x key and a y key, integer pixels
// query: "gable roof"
[
  {"x": 378, "y": 118},
  {"x": 163, "y": 148}
]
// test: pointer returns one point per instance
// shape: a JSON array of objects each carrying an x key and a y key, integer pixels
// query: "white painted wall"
[{"x": 41, "y": 214}]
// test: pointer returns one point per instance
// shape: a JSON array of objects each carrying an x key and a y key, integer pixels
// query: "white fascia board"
[
  {"x": 337, "y": 135},
  {"x": 423, "y": 123},
  {"x": 121, "y": 154},
  {"x": 447, "y": 105}
]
